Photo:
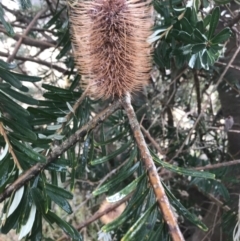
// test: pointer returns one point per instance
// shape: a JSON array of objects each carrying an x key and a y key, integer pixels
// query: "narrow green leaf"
[
  {"x": 181, "y": 170},
  {"x": 29, "y": 151},
  {"x": 198, "y": 47},
  {"x": 200, "y": 26},
  {"x": 36, "y": 233},
  {"x": 117, "y": 137},
  {"x": 125, "y": 191},
  {"x": 155, "y": 235},
  {"x": 115, "y": 181},
  {"x": 26, "y": 227},
  {"x": 199, "y": 37},
  {"x": 5, "y": 86},
  {"x": 75, "y": 82},
  {"x": 193, "y": 18},
  {"x": 60, "y": 201},
  {"x": 38, "y": 199},
  {"x": 19, "y": 128},
  {"x": 66, "y": 227},
  {"x": 186, "y": 26},
  {"x": 27, "y": 78},
  {"x": 207, "y": 20},
  {"x": 195, "y": 62},
  {"x": 54, "y": 19},
  {"x": 58, "y": 191},
  {"x": 222, "y": 1},
  {"x": 214, "y": 22},
  {"x": 102, "y": 137},
  {"x": 61, "y": 91},
  {"x": 112, "y": 155},
  {"x": 222, "y": 36},
  {"x": 183, "y": 211},
  {"x": 13, "y": 107},
  {"x": 4, "y": 167},
  {"x": 10, "y": 78},
  {"x": 138, "y": 224},
  {"x": 12, "y": 220},
  {"x": 6, "y": 25},
  {"x": 6, "y": 65},
  {"x": 208, "y": 59},
  {"x": 64, "y": 50},
  {"x": 185, "y": 37},
  {"x": 56, "y": 167},
  {"x": 16, "y": 200},
  {"x": 21, "y": 97},
  {"x": 135, "y": 202}
]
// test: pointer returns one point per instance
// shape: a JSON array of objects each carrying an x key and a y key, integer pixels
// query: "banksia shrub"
[{"x": 110, "y": 45}]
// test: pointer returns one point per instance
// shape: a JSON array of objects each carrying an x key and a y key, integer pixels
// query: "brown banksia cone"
[
  {"x": 110, "y": 45},
  {"x": 113, "y": 214}
]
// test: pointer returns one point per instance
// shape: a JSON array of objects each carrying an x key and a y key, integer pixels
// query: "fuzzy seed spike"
[{"x": 110, "y": 45}]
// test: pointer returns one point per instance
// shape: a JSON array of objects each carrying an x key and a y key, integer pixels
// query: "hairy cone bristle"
[{"x": 110, "y": 45}]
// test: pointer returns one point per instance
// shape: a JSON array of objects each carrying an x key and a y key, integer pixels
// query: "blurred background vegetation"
[{"x": 194, "y": 87}]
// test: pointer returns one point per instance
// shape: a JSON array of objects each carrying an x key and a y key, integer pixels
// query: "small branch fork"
[
  {"x": 57, "y": 151},
  {"x": 153, "y": 176},
  {"x": 10, "y": 149},
  {"x": 18, "y": 44}
]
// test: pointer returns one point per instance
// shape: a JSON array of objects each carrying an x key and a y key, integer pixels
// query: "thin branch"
[
  {"x": 198, "y": 94},
  {"x": 33, "y": 28},
  {"x": 214, "y": 199},
  {"x": 18, "y": 44},
  {"x": 57, "y": 151},
  {"x": 224, "y": 64},
  {"x": 150, "y": 138},
  {"x": 206, "y": 104},
  {"x": 233, "y": 21},
  {"x": 30, "y": 41},
  {"x": 153, "y": 176},
  {"x": 4, "y": 134},
  {"x": 218, "y": 165},
  {"x": 98, "y": 215},
  {"x": 75, "y": 107},
  {"x": 99, "y": 184},
  {"x": 38, "y": 61},
  {"x": 227, "y": 67}
]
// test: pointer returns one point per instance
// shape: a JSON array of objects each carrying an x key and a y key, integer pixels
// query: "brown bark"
[{"x": 153, "y": 176}]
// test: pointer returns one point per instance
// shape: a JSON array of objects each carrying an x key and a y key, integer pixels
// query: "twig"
[
  {"x": 4, "y": 134},
  {"x": 231, "y": 66},
  {"x": 154, "y": 143},
  {"x": 100, "y": 183},
  {"x": 18, "y": 44},
  {"x": 30, "y": 41},
  {"x": 206, "y": 104},
  {"x": 75, "y": 107},
  {"x": 57, "y": 151},
  {"x": 153, "y": 176},
  {"x": 38, "y": 61},
  {"x": 33, "y": 28},
  {"x": 233, "y": 21},
  {"x": 227, "y": 67},
  {"x": 198, "y": 94},
  {"x": 97, "y": 215},
  {"x": 218, "y": 165}
]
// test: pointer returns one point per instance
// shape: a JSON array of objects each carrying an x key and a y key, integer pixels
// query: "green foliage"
[
  {"x": 189, "y": 39},
  {"x": 6, "y": 24}
]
